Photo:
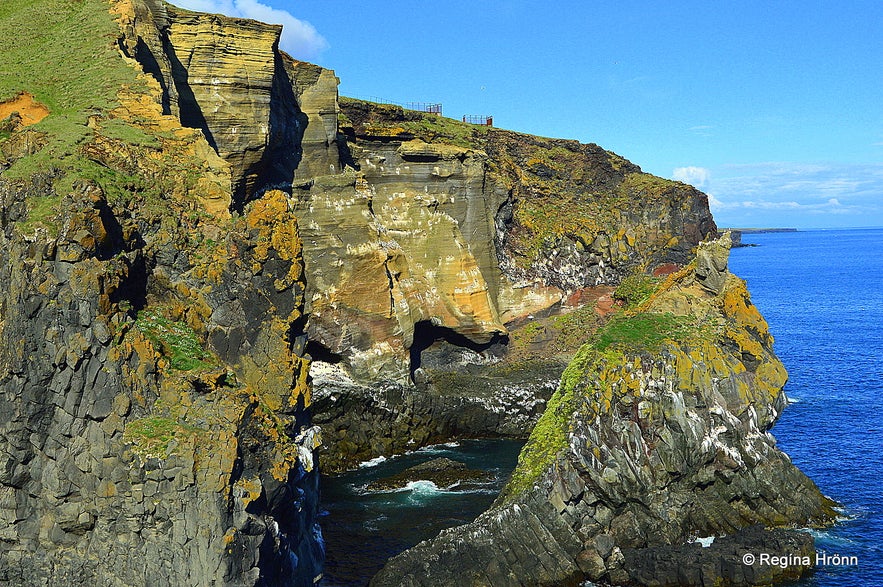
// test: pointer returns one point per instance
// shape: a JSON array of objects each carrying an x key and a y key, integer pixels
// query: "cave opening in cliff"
[
  {"x": 319, "y": 352},
  {"x": 437, "y": 346}
]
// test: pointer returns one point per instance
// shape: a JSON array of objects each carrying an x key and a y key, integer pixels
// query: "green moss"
[
  {"x": 41, "y": 213},
  {"x": 640, "y": 332},
  {"x": 120, "y": 130},
  {"x": 550, "y": 436},
  {"x": 576, "y": 326},
  {"x": 643, "y": 186},
  {"x": 636, "y": 289},
  {"x": 151, "y": 436},
  {"x": 175, "y": 340}
]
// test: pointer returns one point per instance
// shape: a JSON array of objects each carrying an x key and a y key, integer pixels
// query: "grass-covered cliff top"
[{"x": 64, "y": 53}]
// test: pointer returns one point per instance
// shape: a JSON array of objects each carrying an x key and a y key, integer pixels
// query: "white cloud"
[
  {"x": 299, "y": 38},
  {"x": 777, "y": 193},
  {"x": 695, "y": 176}
]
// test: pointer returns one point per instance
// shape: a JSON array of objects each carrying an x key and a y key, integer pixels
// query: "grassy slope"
[{"x": 64, "y": 53}]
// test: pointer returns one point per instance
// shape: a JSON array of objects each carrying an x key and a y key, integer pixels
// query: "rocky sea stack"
[{"x": 213, "y": 265}]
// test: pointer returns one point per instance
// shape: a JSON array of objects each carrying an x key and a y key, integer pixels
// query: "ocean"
[{"x": 822, "y": 294}]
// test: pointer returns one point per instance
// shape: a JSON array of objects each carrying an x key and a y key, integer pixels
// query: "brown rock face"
[{"x": 227, "y": 77}]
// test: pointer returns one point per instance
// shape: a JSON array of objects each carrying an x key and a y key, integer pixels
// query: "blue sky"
[{"x": 775, "y": 109}]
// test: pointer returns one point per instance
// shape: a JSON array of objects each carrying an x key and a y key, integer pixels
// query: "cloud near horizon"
[
  {"x": 299, "y": 38},
  {"x": 787, "y": 192}
]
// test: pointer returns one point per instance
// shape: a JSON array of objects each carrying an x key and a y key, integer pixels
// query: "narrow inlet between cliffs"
[{"x": 367, "y": 519}]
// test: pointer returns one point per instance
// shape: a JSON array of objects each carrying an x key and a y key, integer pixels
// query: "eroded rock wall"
[
  {"x": 226, "y": 77},
  {"x": 441, "y": 236},
  {"x": 658, "y": 434},
  {"x": 137, "y": 451}
]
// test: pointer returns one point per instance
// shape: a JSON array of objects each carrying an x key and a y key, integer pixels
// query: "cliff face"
[
  {"x": 446, "y": 236},
  {"x": 155, "y": 405},
  {"x": 257, "y": 107},
  {"x": 422, "y": 236},
  {"x": 657, "y": 434},
  {"x": 160, "y": 299}
]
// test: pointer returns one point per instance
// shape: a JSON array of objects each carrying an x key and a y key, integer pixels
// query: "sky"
[{"x": 774, "y": 109}]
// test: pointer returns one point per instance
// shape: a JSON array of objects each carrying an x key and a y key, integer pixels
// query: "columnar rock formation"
[{"x": 154, "y": 404}]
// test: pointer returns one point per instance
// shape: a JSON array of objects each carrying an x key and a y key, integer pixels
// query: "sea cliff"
[
  {"x": 658, "y": 435},
  {"x": 208, "y": 253}
]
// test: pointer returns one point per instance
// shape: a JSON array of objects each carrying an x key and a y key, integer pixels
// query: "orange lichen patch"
[
  {"x": 30, "y": 111},
  {"x": 251, "y": 489}
]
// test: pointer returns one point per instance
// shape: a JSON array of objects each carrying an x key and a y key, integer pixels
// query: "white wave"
[
  {"x": 826, "y": 537},
  {"x": 422, "y": 488},
  {"x": 372, "y": 462},
  {"x": 442, "y": 447},
  {"x": 793, "y": 400}
]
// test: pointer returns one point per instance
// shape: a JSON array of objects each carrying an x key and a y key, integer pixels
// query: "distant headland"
[{"x": 736, "y": 234}]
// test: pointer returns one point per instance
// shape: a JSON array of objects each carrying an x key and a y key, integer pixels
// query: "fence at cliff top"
[
  {"x": 483, "y": 120},
  {"x": 429, "y": 107}
]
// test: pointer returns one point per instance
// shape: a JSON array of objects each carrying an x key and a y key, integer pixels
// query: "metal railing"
[
  {"x": 430, "y": 107},
  {"x": 482, "y": 120}
]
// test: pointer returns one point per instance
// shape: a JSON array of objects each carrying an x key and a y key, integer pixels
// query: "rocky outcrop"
[
  {"x": 154, "y": 403},
  {"x": 443, "y": 235},
  {"x": 658, "y": 434},
  {"x": 419, "y": 232},
  {"x": 257, "y": 107},
  {"x": 156, "y": 323},
  {"x": 442, "y": 472}
]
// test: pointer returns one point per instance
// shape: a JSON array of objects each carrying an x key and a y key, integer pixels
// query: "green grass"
[
  {"x": 151, "y": 436},
  {"x": 549, "y": 436},
  {"x": 641, "y": 332},
  {"x": 636, "y": 289},
  {"x": 41, "y": 212},
  {"x": 63, "y": 52},
  {"x": 175, "y": 340}
]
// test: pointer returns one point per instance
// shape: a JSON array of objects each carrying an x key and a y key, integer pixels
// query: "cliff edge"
[{"x": 154, "y": 396}]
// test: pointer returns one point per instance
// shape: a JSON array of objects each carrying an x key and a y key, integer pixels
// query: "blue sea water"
[{"x": 822, "y": 295}]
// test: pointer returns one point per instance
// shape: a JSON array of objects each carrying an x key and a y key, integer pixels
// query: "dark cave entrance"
[{"x": 427, "y": 334}]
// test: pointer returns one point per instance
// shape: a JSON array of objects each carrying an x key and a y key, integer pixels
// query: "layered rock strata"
[
  {"x": 658, "y": 434},
  {"x": 258, "y": 108},
  {"x": 418, "y": 232},
  {"x": 443, "y": 236}
]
